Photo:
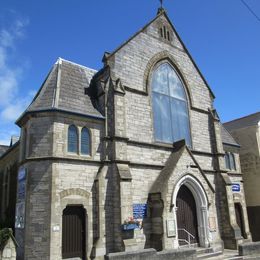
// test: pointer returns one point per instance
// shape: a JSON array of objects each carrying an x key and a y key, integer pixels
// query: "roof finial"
[
  {"x": 161, "y": 1},
  {"x": 160, "y": 9}
]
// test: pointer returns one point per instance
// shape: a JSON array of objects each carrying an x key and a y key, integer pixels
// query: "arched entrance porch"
[{"x": 193, "y": 205}]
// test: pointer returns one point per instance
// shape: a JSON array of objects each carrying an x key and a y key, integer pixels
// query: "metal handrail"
[
  {"x": 184, "y": 240},
  {"x": 189, "y": 236}
]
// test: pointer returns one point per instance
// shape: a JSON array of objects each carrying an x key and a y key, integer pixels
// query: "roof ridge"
[
  {"x": 242, "y": 117},
  {"x": 60, "y": 60},
  {"x": 229, "y": 134}
]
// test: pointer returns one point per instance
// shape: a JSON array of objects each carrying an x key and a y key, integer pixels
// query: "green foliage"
[{"x": 5, "y": 234}]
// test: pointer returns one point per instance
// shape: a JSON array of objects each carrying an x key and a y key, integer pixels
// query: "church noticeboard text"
[
  {"x": 139, "y": 211},
  {"x": 171, "y": 230}
]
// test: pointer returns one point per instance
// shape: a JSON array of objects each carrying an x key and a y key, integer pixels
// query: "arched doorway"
[
  {"x": 197, "y": 202},
  {"x": 186, "y": 217},
  {"x": 74, "y": 232}
]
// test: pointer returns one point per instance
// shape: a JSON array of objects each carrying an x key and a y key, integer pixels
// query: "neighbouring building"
[
  {"x": 246, "y": 131},
  {"x": 129, "y": 157}
]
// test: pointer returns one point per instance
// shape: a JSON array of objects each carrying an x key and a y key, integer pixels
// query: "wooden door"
[
  {"x": 239, "y": 218},
  {"x": 73, "y": 232},
  {"x": 186, "y": 215}
]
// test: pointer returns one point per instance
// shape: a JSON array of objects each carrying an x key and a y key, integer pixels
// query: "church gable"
[
  {"x": 133, "y": 62},
  {"x": 180, "y": 163},
  {"x": 162, "y": 30}
]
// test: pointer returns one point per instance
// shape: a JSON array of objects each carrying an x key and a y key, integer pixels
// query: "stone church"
[{"x": 129, "y": 157}]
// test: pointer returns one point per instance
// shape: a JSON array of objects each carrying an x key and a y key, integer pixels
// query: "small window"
[
  {"x": 85, "y": 141},
  {"x": 227, "y": 161},
  {"x": 72, "y": 139},
  {"x": 165, "y": 33},
  {"x": 230, "y": 161}
]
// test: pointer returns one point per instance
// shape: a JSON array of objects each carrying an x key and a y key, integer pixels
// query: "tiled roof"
[
  {"x": 242, "y": 122},
  {"x": 64, "y": 89},
  {"x": 227, "y": 138}
]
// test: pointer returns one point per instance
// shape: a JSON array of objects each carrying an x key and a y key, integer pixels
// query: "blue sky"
[{"x": 222, "y": 36}]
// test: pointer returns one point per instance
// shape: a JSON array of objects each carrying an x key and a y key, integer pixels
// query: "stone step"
[
  {"x": 202, "y": 250},
  {"x": 209, "y": 255},
  {"x": 251, "y": 257},
  {"x": 224, "y": 257}
]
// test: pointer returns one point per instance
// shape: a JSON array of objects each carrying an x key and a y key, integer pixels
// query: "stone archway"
[{"x": 201, "y": 201}]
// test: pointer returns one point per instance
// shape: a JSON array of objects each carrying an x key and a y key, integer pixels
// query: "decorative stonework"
[
  {"x": 74, "y": 191},
  {"x": 164, "y": 56}
]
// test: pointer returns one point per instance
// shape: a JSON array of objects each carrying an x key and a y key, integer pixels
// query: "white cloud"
[
  {"x": 6, "y": 39},
  {"x": 13, "y": 110},
  {"x": 12, "y": 103},
  {"x": 10, "y": 75}
]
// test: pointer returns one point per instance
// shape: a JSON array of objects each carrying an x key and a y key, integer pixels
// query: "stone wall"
[
  {"x": 8, "y": 170},
  {"x": 249, "y": 139},
  {"x": 133, "y": 64}
]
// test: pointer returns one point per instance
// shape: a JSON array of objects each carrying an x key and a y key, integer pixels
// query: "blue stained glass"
[
  {"x": 171, "y": 119},
  {"x": 85, "y": 141},
  {"x": 72, "y": 139}
]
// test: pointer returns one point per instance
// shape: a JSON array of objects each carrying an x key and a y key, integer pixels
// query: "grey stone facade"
[
  {"x": 246, "y": 131},
  {"x": 126, "y": 166}
]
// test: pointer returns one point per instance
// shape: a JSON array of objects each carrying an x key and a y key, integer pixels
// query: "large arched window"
[
  {"x": 72, "y": 139},
  {"x": 170, "y": 106},
  {"x": 85, "y": 141}
]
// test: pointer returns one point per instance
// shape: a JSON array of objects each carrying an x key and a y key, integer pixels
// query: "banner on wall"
[{"x": 21, "y": 198}]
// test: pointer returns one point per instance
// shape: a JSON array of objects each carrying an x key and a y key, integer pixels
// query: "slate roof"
[
  {"x": 3, "y": 149},
  {"x": 242, "y": 122},
  {"x": 64, "y": 90},
  {"x": 227, "y": 138}
]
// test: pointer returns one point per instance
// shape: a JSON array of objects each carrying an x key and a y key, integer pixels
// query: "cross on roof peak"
[{"x": 161, "y": 1}]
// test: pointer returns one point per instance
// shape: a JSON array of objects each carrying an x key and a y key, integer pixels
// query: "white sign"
[
  {"x": 56, "y": 228},
  {"x": 171, "y": 230}
]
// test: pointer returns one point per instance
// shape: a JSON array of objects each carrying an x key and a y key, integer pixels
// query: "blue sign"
[
  {"x": 139, "y": 211},
  {"x": 236, "y": 187},
  {"x": 21, "y": 184}
]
